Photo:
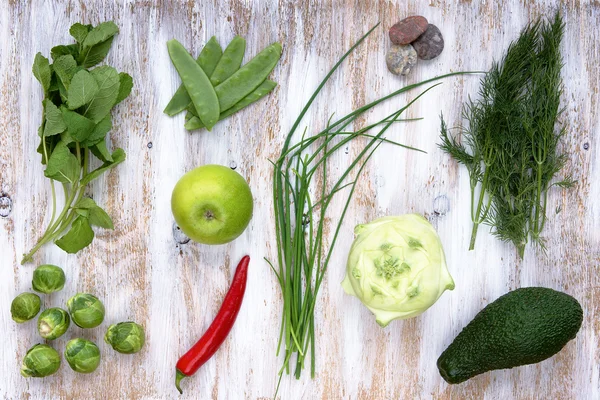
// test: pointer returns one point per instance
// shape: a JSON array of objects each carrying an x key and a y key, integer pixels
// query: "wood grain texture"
[{"x": 174, "y": 290}]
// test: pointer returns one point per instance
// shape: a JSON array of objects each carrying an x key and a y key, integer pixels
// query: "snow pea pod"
[
  {"x": 261, "y": 91},
  {"x": 207, "y": 60},
  {"x": 248, "y": 77},
  {"x": 230, "y": 61},
  {"x": 196, "y": 83}
]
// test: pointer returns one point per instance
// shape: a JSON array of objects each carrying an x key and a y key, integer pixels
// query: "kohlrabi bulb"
[{"x": 397, "y": 267}]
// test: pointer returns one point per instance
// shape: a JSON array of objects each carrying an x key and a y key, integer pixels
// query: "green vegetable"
[
  {"x": 207, "y": 60},
  {"x": 82, "y": 355},
  {"x": 86, "y": 310},
  {"x": 511, "y": 145},
  {"x": 63, "y": 166},
  {"x": 24, "y": 307},
  {"x": 54, "y": 122},
  {"x": 264, "y": 89},
  {"x": 53, "y": 323},
  {"x": 42, "y": 71},
  {"x": 87, "y": 207},
  {"x": 252, "y": 78},
  {"x": 397, "y": 267},
  {"x": 230, "y": 61},
  {"x": 522, "y": 327},
  {"x": 196, "y": 83},
  {"x": 48, "y": 279},
  {"x": 78, "y": 237},
  {"x": 95, "y": 43},
  {"x": 75, "y": 121},
  {"x": 302, "y": 253},
  {"x": 83, "y": 89},
  {"x": 41, "y": 360},
  {"x": 248, "y": 77},
  {"x": 209, "y": 57},
  {"x": 108, "y": 92},
  {"x": 125, "y": 337}
]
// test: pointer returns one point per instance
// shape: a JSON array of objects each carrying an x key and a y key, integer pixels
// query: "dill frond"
[{"x": 510, "y": 144}]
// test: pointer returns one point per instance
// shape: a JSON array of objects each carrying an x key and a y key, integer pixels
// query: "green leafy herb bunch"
[
  {"x": 511, "y": 144},
  {"x": 76, "y": 118}
]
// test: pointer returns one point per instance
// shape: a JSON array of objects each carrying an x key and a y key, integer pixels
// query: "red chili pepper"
[{"x": 216, "y": 333}]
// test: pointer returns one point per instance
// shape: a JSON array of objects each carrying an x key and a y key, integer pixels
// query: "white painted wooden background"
[{"x": 174, "y": 290}]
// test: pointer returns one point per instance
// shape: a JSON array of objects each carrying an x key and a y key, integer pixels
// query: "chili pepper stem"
[{"x": 178, "y": 377}]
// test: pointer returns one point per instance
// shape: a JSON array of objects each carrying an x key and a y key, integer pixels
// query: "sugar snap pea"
[
  {"x": 261, "y": 91},
  {"x": 196, "y": 83},
  {"x": 248, "y": 77},
  {"x": 207, "y": 60},
  {"x": 230, "y": 61},
  {"x": 210, "y": 55}
]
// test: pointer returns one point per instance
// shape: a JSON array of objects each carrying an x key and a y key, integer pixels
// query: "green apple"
[{"x": 212, "y": 204}]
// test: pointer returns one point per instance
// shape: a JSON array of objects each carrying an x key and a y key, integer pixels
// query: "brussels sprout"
[
  {"x": 82, "y": 355},
  {"x": 48, "y": 279},
  {"x": 397, "y": 267},
  {"x": 41, "y": 360},
  {"x": 53, "y": 323},
  {"x": 86, "y": 310},
  {"x": 125, "y": 337},
  {"x": 24, "y": 307}
]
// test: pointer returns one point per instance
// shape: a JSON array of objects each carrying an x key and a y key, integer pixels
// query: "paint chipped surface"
[{"x": 142, "y": 272}]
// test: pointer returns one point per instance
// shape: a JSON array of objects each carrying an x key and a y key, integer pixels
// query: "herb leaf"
[
  {"x": 58, "y": 51},
  {"x": 97, "y": 44},
  {"x": 107, "y": 79},
  {"x": 62, "y": 165},
  {"x": 54, "y": 120},
  {"x": 97, "y": 53},
  {"x": 41, "y": 71},
  {"x": 78, "y": 126},
  {"x": 98, "y": 132},
  {"x": 100, "y": 33},
  {"x": 88, "y": 208},
  {"x": 118, "y": 157},
  {"x": 101, "y": 151},
  {"x": 65, "y": 67},
  {"x": 125, "y": 86},
  {"x": 79, "y": 236},
  {"x": 79, "y": 32},
  {"x": 82, "y": 90}
]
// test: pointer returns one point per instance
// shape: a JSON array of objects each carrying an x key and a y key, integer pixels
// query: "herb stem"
[
  {"x": 56, "y": 227},
  {"x": 45, "y": 150},
  {"x": 478, "y": 219}
]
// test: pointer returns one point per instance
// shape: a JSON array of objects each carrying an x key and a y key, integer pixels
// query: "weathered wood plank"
[{"x": 174, "y": 289}]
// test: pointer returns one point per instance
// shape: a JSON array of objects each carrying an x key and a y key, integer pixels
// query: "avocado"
[{"x": 522, "y": 327}]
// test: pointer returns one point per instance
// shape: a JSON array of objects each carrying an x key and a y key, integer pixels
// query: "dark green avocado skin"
[{"x": 522, "y": 327}]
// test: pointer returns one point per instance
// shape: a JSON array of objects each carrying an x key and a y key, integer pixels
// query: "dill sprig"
[{"x": 510, "y": 145}]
